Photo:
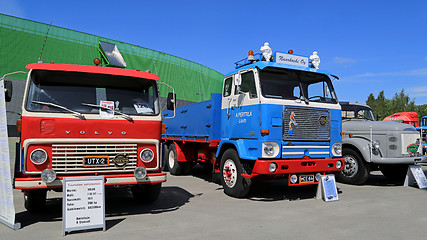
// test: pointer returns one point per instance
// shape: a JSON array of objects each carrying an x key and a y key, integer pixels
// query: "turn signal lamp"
[
  {"x": 19, "y": 125},
  {"x": 265, "y": 132},
  {"x": 291, "y": 51},
  {"x": 163, "y": 128},
  {"x": 251, "y": 55},
  {"x": 96, "y": 61}
]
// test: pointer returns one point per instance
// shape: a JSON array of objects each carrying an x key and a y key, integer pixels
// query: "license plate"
[
  {"x": 96, "y": 161},
  {"x": 306, "y": 178}
]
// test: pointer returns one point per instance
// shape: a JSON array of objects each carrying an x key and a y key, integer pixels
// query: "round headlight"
[
  {"x": 338, "y": 164},
  {"x": 272, "y": 167},
  {"x": 337, "y": 149},
  {"x": 269, "y": 149},
  {"x": 376, "y": 145},
  {"x": 146, "y": 155},
  {"x": 140, "y": 173},
  {"x": 38, "y": 156},
  {"x": 48, "y": 175},
  {"x": 294, "y": 178}
]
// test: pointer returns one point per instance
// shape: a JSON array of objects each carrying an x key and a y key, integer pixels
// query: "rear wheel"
[
  {"x": 175, "y": 167},
  {"x": 35, "y": 200},
  {"x": 355, "y": 170},
  {"x": 235, "y": 185},
  {"x": 395, "y": 172},
  {"x": 146, "y": 193}
]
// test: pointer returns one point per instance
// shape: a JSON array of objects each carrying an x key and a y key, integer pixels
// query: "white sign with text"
[
  {"x": 327, "y": 188},
  {"x": 291, "y": 59},
  {"x": 7, "y": 209},
  {"x": 415, "y": 174},
  {"x": 83, "y": 203}
]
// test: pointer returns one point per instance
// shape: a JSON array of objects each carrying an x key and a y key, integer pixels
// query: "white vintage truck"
[{"x": 370, "y": 145}]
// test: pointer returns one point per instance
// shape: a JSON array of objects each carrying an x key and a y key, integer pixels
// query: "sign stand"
[
  {"x": 7, "y": 208},
  {"x": 83, "y": 203},
  {"x": 415, "y": 176},
  {"x": 327, "y": 188}
]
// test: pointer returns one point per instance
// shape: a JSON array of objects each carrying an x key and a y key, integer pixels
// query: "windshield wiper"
[
  {"x": 127, "y": 117},
  {"x": 79, "y": 115}
]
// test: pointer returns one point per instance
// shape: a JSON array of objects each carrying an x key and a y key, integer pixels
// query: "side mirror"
[
  {"x": 171, "y": 101},
  {"x": 8, "y": 90}
]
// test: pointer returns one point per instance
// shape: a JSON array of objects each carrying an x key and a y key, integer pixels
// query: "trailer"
[{"x": 277, "y": 117}]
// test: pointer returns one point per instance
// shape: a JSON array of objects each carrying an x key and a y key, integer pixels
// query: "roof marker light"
[
  {"x": 291, "y": 51},
  {"x": 96, "y": 61},
  {"x": 251, "y": 55}
]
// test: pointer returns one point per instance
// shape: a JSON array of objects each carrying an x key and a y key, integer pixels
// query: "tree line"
[{"x": 383, "y": 107}]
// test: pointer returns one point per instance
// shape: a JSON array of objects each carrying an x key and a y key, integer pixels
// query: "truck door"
[{"x": 244, "y": 106}]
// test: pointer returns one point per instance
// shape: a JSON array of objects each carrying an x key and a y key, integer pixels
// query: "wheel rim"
[
  {"x": 171, "y": 159},
  {"x": 229, "y": 173},
  {"x": 350, "y": 167}
]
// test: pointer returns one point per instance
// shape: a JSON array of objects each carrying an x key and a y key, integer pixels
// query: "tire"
[
  {"x": 35, "y": 200},
  {"x": 175, "y": 167},
  {"x": 395, "y": 172},
  {"x": 172, "y": 162},
  {"x": 235, "y": 185},
  {"x": 355, "y": 169},
  {"x": 165, "y": 157},
  {"x": 146, "y": 193}
]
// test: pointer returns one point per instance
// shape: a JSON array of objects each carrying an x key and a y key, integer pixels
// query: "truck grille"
[
  {"x": 68, "y": 158},
  {"x": 306, "y": 124}
]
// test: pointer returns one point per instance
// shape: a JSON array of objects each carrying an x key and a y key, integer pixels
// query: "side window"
[
  {"x": 248, "y": 85},
  {"x": 227, "y": 87}
]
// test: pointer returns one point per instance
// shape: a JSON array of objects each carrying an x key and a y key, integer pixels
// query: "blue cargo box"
[{"x": 197, "y": 121}]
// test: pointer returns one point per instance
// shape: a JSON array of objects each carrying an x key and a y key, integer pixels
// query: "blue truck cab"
[
  {"x": 423, "y": 131},
  {"x": 277, "y": 117}
]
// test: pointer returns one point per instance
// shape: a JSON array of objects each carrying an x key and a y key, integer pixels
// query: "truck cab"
[
  {"x": 81, "y": 121},
  {"x": 369, "y": 145},
  {"x": 277, "y": 117}
]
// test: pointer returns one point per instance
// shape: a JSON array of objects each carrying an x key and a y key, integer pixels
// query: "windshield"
[
  {"x": 294, "y": 84},
  {"x": 424, "y": 122},
  {"x": 133, "y": 96},
  {"x": 357, "y": 112}
]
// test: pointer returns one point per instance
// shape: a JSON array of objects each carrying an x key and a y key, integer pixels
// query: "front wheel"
[
  {"x": 35, "y": 200},
  {"x": 355, "y": 170},
  {"x": 235, "y": 185},
  {"x": 146, "y": 193}
]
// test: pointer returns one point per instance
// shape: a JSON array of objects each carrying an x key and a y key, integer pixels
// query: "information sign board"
[
  {"x": 7, "y": 209},
  {"x": 327, "y": 188},
  {"x": 291, "y": 59},
  {"x": 415, "y": 174},
  {"x": 83, "y": 203}
]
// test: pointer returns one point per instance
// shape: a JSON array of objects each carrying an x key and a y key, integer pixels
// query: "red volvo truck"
[{"x": 82, "y": 120}]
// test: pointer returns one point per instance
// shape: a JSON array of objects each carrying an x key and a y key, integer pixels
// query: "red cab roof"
[{"x": 92, "y": 69}]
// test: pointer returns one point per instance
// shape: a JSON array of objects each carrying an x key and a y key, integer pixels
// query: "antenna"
[
  {"x": 155, "y": 67},
  {"x": 40, "y": 57}
]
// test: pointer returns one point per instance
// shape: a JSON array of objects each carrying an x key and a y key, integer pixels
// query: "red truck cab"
[
  {"x": 404, "y": 117},
  {"x": 82, "y": 120}
]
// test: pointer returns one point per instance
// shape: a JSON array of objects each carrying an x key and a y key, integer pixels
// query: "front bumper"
[
  {"x": 120, "y": 179},
  {"x": 285, "y": 167},
  {"x": 402, "y": 160}
]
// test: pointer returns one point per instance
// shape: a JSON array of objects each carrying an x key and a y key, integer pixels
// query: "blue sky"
[{"x": 371, "y": 45}]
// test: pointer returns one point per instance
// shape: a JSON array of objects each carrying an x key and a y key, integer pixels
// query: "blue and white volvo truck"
[{"x": 277, "y": 117}]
